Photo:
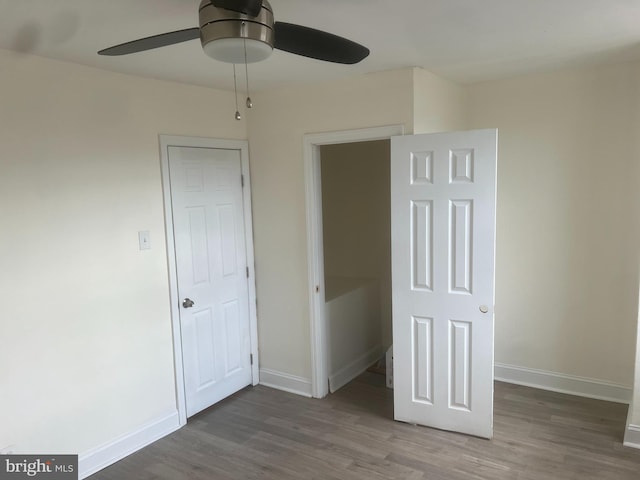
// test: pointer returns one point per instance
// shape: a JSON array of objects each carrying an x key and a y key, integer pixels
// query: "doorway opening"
[
  {"x": 344, "y": 286},
  {"x": 356, "y": 231}
]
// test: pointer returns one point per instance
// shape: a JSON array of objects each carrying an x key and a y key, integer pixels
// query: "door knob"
[
  {"x": 188, "y": 303},
  {"x": 484, "y": 308}
]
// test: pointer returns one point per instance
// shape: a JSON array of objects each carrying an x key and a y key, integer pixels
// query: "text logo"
[{"x": 46, "y": 467}]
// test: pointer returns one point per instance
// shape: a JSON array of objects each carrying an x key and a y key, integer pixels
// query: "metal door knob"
[
  {"x": 188, "y": 303},
  {"x": 484, "y": 308}
]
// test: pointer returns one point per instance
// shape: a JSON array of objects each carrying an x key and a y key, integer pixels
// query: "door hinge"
[
  {"x": 242, "y": 181},
  {"x": 247, "y": 272},
  {"x": 251, "y": 358}
]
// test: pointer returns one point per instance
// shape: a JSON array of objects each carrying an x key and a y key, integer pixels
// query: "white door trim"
[
  {"x": 167, "y": 141},
  {"x": 315, "y": 248}
]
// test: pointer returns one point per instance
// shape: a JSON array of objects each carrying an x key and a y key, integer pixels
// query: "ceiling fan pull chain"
[
  {"x": 246, "y": 71},
  {"x": 235, "y": 89}
]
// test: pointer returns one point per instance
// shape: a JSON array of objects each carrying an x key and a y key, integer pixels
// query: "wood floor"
[{"x": 261, "y": 433}]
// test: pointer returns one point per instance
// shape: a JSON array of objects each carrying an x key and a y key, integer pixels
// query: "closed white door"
[
  {"x": 211, "y": 265},
  {"x": 443, "y": 194}
]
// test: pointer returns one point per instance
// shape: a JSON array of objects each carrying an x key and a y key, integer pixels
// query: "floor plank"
[{"x": 261, "y": 433}]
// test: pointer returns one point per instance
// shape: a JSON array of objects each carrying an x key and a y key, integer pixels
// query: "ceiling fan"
[{"x": 244, "y": 31}]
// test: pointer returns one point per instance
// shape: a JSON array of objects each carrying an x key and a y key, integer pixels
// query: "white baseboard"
[
  {"x": 558, "y": 382},
  {"x": 343, "y": 376},
  {"x": 632, "y": 436},
  {"x": 101, "y": 457},
  {"x": 285, "y": 382}
]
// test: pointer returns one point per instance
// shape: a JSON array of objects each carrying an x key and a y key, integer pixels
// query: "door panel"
[
  {"x": 443, "y": 189},
  {"x": 211, "y": 261}
]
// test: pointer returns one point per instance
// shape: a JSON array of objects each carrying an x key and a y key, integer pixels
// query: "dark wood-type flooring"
[{"x": 261, "y": 433}]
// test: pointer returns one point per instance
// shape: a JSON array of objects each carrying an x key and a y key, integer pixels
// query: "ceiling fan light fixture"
[
  {"x": 225, "y": 34},
  {"x": 232, "y": 50}
]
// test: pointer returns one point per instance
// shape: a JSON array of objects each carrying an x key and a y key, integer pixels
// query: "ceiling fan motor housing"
[{"x": 234, "y": 37}]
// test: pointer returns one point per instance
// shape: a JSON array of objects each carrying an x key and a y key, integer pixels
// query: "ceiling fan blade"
[
  {"x": 317, "y": 44},
  {"x": 247, "y": 7},
  {"x": 155, "y": 41}
]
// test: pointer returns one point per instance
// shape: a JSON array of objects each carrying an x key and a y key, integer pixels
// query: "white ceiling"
[{"x": 463, "y": 40}]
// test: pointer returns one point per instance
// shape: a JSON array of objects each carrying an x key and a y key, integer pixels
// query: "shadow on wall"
[{"x": 33, "y": 36}]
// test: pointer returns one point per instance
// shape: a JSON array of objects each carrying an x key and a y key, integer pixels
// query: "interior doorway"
[
  {"x": 442, "y": 250},
  {"x": 320, "y": 327},
  {"x": 356, "y": 231}
]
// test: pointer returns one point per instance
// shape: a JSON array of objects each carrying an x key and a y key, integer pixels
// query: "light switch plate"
[{"x": 144, "y": 239}]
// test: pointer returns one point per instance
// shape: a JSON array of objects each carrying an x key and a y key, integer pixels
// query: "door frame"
[
  {"x": 167, "y": 141},
  {"x": 315, "y": 247}
]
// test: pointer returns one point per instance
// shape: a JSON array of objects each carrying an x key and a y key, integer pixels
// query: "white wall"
[
  {"x": 85, "y": 322},
  {"x": 277, "y": 125},
  {"x": 352, "y": 312},
  {"x": 86, "y": 336},
  {"x": 567, "y": 243},
  {"x": 439, "y": 105},
  {"x": 356, "y": 217}
]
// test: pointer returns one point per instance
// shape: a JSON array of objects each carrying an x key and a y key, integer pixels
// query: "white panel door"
[
  {"x": 211, "y": 264},
  {"x": 443, "y": 194}
]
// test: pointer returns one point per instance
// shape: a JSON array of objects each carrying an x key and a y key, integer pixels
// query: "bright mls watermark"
[{"x": 49, "y": 467}]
